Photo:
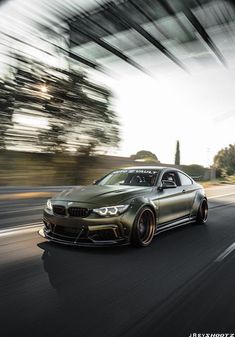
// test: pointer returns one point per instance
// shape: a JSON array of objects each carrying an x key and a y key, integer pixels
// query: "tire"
[
  {"x": 143, "y": 228},
  {"x": 202, "y": 213}
]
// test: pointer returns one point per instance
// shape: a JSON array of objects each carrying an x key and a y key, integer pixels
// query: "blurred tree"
[
  {"x": 177, "y": 153},
  {"x": 28, "y": 109},
  {"x": 145, "y": 155},
  {"x": 224, "y": 160},
  {"x": 58, "y": 110},
  {"x": 6, "y": 109}
]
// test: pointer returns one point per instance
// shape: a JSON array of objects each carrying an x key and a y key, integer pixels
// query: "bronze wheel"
[{"x": 144, "y": 228}]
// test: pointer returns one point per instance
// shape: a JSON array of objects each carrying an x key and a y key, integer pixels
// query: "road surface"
[{"x": 184, "y": 283}]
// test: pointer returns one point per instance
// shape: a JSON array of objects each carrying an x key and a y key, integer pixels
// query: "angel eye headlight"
[
  {"x": 49, "y": 205},
  {"x": 111, "y": 210}
]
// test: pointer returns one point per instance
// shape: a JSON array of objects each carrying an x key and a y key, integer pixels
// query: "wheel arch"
[
  {"x": 137, "y": 238},
  {"x": 140, "y": 203},
  {"x": 145, "y": 202},
  {"x": 135, "y": 207},
  {"x": 199, "y": 197}
]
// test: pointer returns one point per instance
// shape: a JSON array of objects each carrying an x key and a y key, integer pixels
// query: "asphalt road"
[{"x": 183, "y": 283}]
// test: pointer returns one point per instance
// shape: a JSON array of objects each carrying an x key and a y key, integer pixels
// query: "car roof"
[
  {"x": 147, "y": 168},
  {"x": 159, "y": 168}
]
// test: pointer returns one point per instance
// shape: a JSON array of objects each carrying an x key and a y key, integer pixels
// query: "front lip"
[{"x": 93, "y": 243}]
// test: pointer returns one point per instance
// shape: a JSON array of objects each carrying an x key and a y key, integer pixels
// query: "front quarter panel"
[{"x": 136, "y": 205}]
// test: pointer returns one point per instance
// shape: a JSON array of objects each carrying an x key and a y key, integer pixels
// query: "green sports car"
[{"x": 128, "y": 205}]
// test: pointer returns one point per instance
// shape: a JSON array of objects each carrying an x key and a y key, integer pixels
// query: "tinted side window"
[
  {"x": 184, "y": 179},
  {"x": 171, "y": 176}
]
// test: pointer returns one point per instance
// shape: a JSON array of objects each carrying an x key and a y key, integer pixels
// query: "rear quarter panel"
[{"x": 199, "y": 195}]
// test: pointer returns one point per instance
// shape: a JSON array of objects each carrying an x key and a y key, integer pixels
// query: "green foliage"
[
  {"x": 145, "y": 155},
  {"x": 194, "y": 170},
  {"x": 224, "y": 161},
  {"x": 177, "y": 153}
]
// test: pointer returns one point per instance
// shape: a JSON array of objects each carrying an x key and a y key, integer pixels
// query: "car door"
[
  {"x": 189, "y": 190},
  {"x": 172, "y": 202}
]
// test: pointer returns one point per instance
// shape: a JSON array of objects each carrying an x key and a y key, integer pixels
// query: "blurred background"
[{"x": 87, "y": 86}]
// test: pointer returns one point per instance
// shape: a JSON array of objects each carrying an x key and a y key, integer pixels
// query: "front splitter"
[{"x": 93, "y": 243}]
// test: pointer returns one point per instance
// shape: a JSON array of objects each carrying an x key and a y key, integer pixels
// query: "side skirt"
[{"x": 174, "y": 224}]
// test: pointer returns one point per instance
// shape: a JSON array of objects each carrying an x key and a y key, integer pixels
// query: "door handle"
[{"x": 184, "y": 191}]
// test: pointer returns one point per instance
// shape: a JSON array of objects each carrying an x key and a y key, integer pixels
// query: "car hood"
[{"x": 101, "y": 195}]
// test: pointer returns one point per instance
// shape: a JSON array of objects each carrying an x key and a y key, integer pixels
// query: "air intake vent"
[
  {"x": 59, "y": 210},
  {"x": 78, "y": 212}
]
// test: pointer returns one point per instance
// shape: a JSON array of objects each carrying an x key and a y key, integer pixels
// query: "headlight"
[
  {"x": 49, "y": 205},
  {"x": 111, "y": 210}
]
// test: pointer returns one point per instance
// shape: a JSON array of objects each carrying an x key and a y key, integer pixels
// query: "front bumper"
[{"x": 84, "y": 232}]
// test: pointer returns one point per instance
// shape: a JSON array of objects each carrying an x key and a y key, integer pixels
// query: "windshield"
[{"x": 130, "y": 177}]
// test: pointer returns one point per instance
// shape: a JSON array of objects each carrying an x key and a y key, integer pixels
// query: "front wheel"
[
  {"x": 202, "y": 213},
  {"x": 143, "y": 228}
]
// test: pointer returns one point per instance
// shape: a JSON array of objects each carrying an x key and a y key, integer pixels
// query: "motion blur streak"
[
  {"x": 18, "y": 229},
  {"x": 227, "y": 251}
]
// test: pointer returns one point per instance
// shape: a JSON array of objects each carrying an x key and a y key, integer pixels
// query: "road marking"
[
  {"x": 16, "y": 229},
  {"x": 225, "y": 253},
  {"x": 221, "y": 195}
]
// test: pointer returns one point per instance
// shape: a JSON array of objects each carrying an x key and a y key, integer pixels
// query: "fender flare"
[{"x": 135, "y": 207}]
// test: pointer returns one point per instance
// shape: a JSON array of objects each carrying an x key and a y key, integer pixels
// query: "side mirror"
[
  {"x": 94, "y": 182},
  {"x": 167, "y": 184}
]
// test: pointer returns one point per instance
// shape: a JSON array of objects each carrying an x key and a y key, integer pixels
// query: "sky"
[{"x": 196, "y": 108}]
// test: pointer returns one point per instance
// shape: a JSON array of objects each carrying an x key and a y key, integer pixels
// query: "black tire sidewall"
[
  {"x": 200, "y": 219},
  {"x": 135, "y": 239}
]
